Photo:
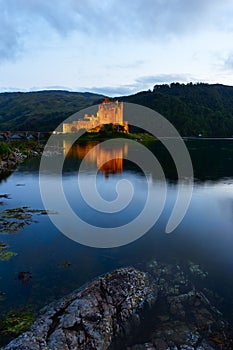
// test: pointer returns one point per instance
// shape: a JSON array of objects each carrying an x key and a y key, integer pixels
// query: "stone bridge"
[{"x": 23, "y": 135}]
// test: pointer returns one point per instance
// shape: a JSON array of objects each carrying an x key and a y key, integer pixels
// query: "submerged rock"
[{"x": 183, "y": 318}]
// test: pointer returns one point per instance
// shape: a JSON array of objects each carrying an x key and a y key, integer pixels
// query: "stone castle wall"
[{"x": 108, "y": 113}]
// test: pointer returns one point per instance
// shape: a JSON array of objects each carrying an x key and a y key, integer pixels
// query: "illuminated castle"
[{"x": 108, "y": 113}]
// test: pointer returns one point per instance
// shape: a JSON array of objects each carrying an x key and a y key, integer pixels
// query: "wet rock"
[
  {"x": 9, "y": 163},
  {"x": 109, "y": 313},
  {"x": 90, "y": 318},
  {"x": 186, "y": 319},
  {"x": 196, "y": 270}
]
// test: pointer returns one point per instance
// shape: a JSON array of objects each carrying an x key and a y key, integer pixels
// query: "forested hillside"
[
  {"x": 192, "y": 108},
  {"x": 42, "y": 110}
]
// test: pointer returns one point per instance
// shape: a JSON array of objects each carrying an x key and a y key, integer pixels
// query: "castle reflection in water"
[{"x": 108, "y": 160}]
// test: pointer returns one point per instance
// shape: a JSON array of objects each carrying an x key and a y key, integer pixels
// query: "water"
[{"x": 58, "y": 265}]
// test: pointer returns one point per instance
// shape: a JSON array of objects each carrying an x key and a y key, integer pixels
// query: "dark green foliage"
[
  {"x": 15, "y": 322},
  {"x": 193, "y": 108},
  {"x": 41, "y": 111},
  {"x": 26, "y": 146},
  {"x": 5, "y": 150}
]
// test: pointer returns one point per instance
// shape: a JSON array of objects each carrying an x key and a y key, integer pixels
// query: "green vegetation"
[
  {"x": 26, "y": 146},
  {"x": 5, "y": 150},
  {"x": 41, "y": 111},
  {"x": 5, "y": 255},
  {"x": 107, "y": 131},
  {"x": 14, "y": 219},
  {"x": 103, "y": 135},
  {"x": 15, "y": 322},
  {"x": 193, "y": 109}
]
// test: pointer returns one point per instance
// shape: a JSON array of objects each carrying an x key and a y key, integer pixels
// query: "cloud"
[
  {"x": 141, "y": 83},
  {"x": 163, "y": 78},
  {"x": 111, "y": 90},
  {"x": 111, "y": 19},
  {"x": 21, "y": 19},
  {"x": 135, "y": 64},
  {"x": 228, "y": 62}
]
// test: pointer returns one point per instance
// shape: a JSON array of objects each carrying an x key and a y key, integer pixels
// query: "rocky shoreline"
[
  {"x": 89, "y": 318},
  {"x": 156, "y": 308},
  {"x": 9, "y": 163}
]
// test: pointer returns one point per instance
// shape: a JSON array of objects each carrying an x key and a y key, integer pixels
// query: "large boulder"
[
  {"x": 160, "y": 309},
  {"x": 91, "y": 317}
]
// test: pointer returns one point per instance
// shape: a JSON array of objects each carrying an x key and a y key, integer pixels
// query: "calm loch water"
[{"x": 57, "y": 265}]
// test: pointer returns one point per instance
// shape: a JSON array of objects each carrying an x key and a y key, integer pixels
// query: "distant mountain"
[
  {"x": 192, "y": 108},
  {"x": 42, "y": 110}
]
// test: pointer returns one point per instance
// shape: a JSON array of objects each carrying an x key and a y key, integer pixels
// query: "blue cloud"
[{"x": 114, "y": 19}]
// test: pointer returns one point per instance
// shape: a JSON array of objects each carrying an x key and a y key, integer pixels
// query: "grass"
[{"x": 102, "y": 136}]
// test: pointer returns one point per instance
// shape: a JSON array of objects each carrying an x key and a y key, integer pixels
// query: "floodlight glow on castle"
[{"x": 108, "y": 113}]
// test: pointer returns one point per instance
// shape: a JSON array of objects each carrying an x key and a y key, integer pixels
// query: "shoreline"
[
  {"x": 17, "y": 153},
  {"x": 133, "y": 309}
]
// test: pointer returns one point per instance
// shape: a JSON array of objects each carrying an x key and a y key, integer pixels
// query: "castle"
[{"x": 108, "y": 113}]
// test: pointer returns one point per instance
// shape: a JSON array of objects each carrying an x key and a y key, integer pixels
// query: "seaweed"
[
  {"x": 15, "y": 322},
  {"x": 14, "y": 219},
  {"x": 24, "y": 277},
  {"x": 5, "y": 195},
  {"x": 5, "y": 255},
  {"x": 64, "y": 265}
]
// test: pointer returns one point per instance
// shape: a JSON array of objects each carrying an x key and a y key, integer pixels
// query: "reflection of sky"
[
  {"x": 211, "y": 205},
  {"x": 204, "y": 236},
  {"x": 107, "y": 190}
]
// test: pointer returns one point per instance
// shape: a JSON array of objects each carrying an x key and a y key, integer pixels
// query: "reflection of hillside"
[{"x": 108, "y": 160}]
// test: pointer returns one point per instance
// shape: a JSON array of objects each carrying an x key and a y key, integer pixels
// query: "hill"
[
  {"x": 192, "y": 108},
  {"x": 42, "y": 110}
]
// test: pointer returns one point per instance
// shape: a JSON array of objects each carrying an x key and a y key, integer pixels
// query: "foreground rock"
[
  {"x": 90, "y": 318},
  {"x": 159, "y": 309},
  {"x": 182, "y": 318}
]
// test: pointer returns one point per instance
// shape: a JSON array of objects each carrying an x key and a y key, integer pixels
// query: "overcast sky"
[{"x": 114, "y": 46}]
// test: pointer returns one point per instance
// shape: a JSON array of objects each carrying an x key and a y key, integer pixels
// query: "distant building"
[{"x": 108, "y": 113}]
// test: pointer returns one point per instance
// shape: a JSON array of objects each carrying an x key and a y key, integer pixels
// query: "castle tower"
[{"x": 110, "y": 112}]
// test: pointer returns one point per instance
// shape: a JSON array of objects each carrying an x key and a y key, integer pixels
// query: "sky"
[{"x": 114, "y": 47}]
